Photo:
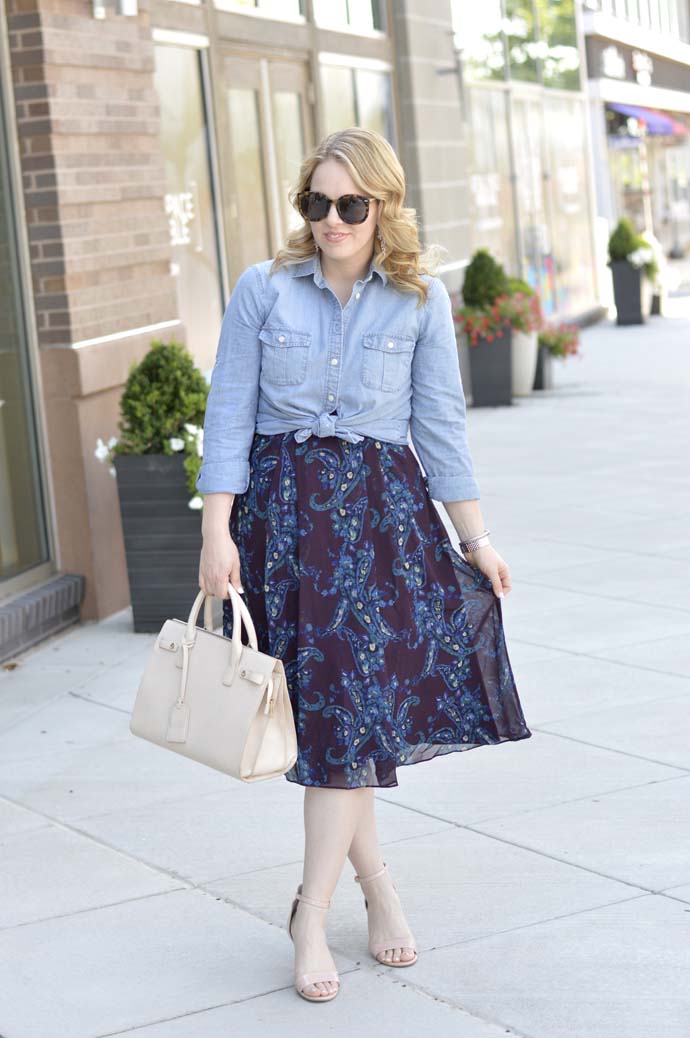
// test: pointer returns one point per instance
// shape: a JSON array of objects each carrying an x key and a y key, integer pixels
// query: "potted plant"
[
  {"x": 485, "y": 320},
  {"x": 555, "y": 340},
  {"x": 525, "y": 320},
  {"x": 156, "y": 460},
  {"x": 633, "y": 266}
]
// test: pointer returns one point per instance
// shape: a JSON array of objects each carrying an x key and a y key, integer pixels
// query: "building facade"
[
  {"x": 638, "y": 67},
  {"x": 148, "y": 151}
]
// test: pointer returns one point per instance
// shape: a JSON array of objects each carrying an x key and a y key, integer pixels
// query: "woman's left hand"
[{"x": 493, "y": 566}]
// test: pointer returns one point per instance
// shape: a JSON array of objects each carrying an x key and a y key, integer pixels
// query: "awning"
[{"x": 659, "y": 123}]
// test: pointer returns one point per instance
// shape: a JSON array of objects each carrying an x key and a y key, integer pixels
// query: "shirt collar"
[{"x": 312, "y": 265}]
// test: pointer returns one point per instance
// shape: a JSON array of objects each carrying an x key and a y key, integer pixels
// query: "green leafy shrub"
[
  {"x": 162, "y": 410},
  {"x": 623, "y": 240},
  {"x": 485, "y": 280},
  {"x": 626, "y": 244}
]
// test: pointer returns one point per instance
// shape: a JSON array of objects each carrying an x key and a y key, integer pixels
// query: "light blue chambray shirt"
[{"x": 290, "y": 356}]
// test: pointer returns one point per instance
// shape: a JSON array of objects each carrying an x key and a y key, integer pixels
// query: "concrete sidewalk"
[{"x": 547, "y": 881}]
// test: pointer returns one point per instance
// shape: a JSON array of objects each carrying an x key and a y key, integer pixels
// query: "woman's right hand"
[{"x": 219, "y": 563}]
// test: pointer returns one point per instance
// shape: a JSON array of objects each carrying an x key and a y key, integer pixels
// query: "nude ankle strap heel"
[
  {"x": 377, "y": 947},
  {"x": 303, "y": 980}
]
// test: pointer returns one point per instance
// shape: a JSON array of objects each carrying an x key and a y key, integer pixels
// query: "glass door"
[
  {"x": 190, "y": 203},
  {"x": 269, "y": 130},
  {"x": 23, "y": 531}
]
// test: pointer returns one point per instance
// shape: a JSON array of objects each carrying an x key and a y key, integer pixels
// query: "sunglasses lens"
[
  {"x": 313, "y": 206},
  {"x": 352, "y": 209}
]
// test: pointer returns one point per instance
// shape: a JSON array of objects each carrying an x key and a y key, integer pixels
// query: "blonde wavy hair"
[{"x": 376, "y": 170}]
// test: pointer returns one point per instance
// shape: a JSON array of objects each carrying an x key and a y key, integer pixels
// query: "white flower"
[
  {"x": 196, "y": 502},
  {"x": 200, "y": 443},
  {"x": 112, "y": 441},
  {"x": 640, "y": 256},
  {"x": 113, "y": 471},
  {"x": 101, "y": 451},
  {"x": 176, "y": 443},
  {"x": 191, "y": 429}
]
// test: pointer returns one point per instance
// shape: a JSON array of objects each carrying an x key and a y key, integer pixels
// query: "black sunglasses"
[{"x": 350, "y": 208}]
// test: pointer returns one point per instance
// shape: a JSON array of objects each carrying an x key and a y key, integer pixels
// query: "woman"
[{"x": 392, "y": 642}]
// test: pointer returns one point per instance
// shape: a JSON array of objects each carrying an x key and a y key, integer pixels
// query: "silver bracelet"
[{"x": 479, "y": 541}]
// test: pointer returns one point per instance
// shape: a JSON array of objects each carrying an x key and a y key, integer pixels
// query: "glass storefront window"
[
  {"x": 539, "y": 41},
  {"x": 356, "y": 97},
  {"x": 521, "y": 40},
  {"x": 478, "y": 36},
  {"x": 267, "y": 133},
  {"x": 360, "y": 15},
  {"x": 493, "y": 224},
  {"x": 374, "y": 105},
  {"x": 338, "y": 89},
  {"x": 535, "y": 232},
  {"x": 23, "y": 534},
  {"x": 284, "y": 10},
  {"x": 567, "y": 186},
  {"x": 189, "y": 201},
  {"x": 560, "y": 59},
  {"x": 250, "y": 202},
  {"x": 289, "y": 136}
]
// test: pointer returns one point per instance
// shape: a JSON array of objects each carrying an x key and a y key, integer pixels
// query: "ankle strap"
[
  {"x": 313, "y": 901},
  {"x": 374, "y": 875}
]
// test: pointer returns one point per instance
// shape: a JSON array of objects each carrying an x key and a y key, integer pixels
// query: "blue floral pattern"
[{"x": 393, "y": 644}]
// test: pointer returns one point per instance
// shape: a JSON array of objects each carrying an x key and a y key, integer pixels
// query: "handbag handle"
[{"x": 240, "y": 613}]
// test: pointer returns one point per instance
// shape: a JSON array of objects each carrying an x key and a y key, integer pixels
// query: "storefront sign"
[
  {"x": 179, "y": 209},
  {"x": 612, "y": 63},
  {"x": 643, "y": 66}
]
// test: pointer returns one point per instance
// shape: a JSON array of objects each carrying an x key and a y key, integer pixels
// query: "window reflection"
[
  {"x": 361, "y": 15},
  {"x": 23, "y": 540},
  {"x": 282, "y": 9},
  {"x": 289, "y": 139},
  {"x": 566, "y": 150},
  {"x": 478, "y": 35},
  {"x": 521, "y": 40},
  {"x": 560, "y": 59},
  {"x": 491, "y": 195},
  {"x": 189, "y": 201},
  {"x": 249, "y": 206},
  {"x": 357, "y": 97},
  {"x": 539, "y": 41}
]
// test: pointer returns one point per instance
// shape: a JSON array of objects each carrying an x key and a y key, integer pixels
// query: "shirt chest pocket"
[
  {"x": 284, "y": 355},
  {"x": 386, "y": 360}
]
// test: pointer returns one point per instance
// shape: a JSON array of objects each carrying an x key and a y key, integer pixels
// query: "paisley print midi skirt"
[{"x": 392, "y": 642}]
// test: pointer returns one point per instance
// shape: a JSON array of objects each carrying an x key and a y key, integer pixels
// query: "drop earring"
[{"x": 381, "y": 240}]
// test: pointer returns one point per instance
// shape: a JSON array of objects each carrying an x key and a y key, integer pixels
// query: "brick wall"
[
  {"x": 93, "y": 175},
  {"x": 93, "y": 181}
]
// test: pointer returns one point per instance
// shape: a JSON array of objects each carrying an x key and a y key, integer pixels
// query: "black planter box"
[
  {"x": 627, "y": 292},
  {"x": 162, "y": 537},
  {"x": 491, "y": 370},
  {"x": 543, "y": 376}
]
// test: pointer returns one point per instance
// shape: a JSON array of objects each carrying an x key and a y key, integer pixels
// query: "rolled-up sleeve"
[
  {"x": 438, "y": 411},
  {"x": 234, "y": 392}
]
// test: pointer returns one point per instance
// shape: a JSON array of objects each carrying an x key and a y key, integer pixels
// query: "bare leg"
[
  {"x": 384, "y": 906},
  {"x": 330, "y": 819}
]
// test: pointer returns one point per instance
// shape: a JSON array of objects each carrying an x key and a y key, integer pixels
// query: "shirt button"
[
  {"x": 281, "y": 338},
  {"x": 390, "y": 345},
  {"x": 331, "y": 397},
  {"x": 334, "y": 361},
  {"x": 357, "y": 295}
]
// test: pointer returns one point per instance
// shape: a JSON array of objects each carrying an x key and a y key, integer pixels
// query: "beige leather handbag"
[{"x": 216, "y": 700}]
